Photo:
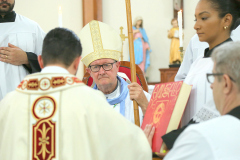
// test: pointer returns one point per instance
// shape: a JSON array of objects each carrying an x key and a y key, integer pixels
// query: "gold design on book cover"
[{"x": 159, "y": 113}]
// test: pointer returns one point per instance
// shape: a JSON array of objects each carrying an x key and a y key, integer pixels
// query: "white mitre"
[{"x": 99, "y": 41}]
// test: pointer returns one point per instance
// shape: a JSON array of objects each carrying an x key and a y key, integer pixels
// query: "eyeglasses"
[
  {"x": 210, "y": 77},
  {"x": 106, "y": 67}
]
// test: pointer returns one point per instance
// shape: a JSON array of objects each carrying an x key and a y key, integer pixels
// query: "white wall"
[
  {"x": 157, "y": 15},
  {"x": 45, "y": 13}
]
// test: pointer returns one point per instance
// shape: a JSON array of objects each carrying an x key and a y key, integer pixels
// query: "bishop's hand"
[{"x": 136, "y": 93}]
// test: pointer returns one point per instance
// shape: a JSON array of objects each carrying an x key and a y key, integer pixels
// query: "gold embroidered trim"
[
  {"x": 46, "y": 83},
  {"x": 99, "y": 52},
  {"x": 96, "y": 36},
  {"x": 112, "y": 54}
]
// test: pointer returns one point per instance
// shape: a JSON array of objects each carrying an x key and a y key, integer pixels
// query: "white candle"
[
  {"x": 60, "y": 16},
  {"x": 180, "y": 28}
]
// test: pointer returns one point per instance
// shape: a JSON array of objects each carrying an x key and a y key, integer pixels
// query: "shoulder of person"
[{"x": 23, "y": 18}]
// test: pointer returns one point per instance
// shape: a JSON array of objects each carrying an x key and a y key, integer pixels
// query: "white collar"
[
  {"x": 115, "y": 93},
  {"x": 54, "y": 69}
]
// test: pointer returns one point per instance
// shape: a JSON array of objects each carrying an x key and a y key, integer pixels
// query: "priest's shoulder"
[
  {"x": 8, "y": 100},
  {"x": 87, "y": 91}
]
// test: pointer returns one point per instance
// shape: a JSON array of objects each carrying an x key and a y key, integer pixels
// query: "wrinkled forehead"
[{"x": 102, "y": 61}]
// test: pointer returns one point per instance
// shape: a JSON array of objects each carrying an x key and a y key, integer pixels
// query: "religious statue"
[
  {"x": 173, "y": 34},
  {"x": 141, "y": 45}
]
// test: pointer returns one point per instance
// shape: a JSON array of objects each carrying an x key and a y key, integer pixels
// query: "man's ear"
[
  {"x": 76, "y": 62},
  {"x": 40, "y": 61},
  {"x": 118, "y": 63},
  {"x": 227, "y": 84},
  {"x": 227, "y": 20},
  {"x": 88, "y": 70}
]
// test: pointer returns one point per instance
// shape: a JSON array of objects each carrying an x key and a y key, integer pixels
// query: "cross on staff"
[{"x": 123, "y": 37}]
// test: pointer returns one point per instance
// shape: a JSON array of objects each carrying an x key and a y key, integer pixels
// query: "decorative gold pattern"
[
  {"x": 99, "y": 52},
  {"x": 44, "y": 140},
  {"x": 24, "y": 85},
  {"x": 45, "y": 83},
  {"x": 163, "y": 98},
  {"x": 112, "y": 54},
  {"x": 69, "y": 80},
  {"x": 58, "y": 81},
  {"x": 44, "y": 129},
  {"x": 32, "y": 84},
  {"x": 96, "y": 36},
  {"x": 44, "y": 107}
]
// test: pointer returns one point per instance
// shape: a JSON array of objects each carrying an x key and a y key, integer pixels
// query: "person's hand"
[
  {"x": 136, "y": 93},
  {"x": 162, "y": 155},
  {"x": 13, "y": 55},
  {"x": 148, "y": 48},
  {"x": 149, "y": 132}
]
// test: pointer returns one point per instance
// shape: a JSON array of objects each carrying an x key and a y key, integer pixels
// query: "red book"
[{"x": 165, "y": 109}]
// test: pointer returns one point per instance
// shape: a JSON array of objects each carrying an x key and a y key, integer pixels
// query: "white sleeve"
[
  {"x": 40, "y": 34},
  {"x": 187, "y": 61},
  {"x": 236, "y": 34},
  {"x": 190, "y": 145}
]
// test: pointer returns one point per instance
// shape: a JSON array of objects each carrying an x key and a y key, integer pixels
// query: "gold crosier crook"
[{"x": 132, "y": 57}]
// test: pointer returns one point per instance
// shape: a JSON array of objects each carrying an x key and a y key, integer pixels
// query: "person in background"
[
  {"x": 215, "y": 19},
  {"x": 20, "y": 43},
  {"x": 217, "y": 138},
  {"x": 102, "y": 47}
]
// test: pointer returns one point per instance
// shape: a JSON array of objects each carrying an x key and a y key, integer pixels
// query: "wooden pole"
[{"x": 132, "y": 57}]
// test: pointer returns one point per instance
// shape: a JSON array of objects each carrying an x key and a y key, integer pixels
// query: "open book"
[{"x": 165, "y": 110}]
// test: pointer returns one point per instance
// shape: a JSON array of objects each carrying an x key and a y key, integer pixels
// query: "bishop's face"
[
  {"x": 103, "y": 78},
  {"x": 6, "y": 6}
]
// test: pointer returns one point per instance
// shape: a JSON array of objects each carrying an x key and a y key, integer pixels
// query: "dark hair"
[
  {"x": 228, "y": 6},
  {"x": 61, "y": 46}
]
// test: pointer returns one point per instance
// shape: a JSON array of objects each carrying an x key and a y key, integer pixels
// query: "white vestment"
[
  {"x": 129, "y": 112},
  {"x": 216, "y": 139},
  {"x": 25, "y": 34},
  {"x": 196, "y": 49},
  {"x": 201, "y": 93},
  {"x": 56, "y": 115}
]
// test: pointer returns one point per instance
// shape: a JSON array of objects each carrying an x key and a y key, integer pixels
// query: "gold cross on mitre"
[{"x": 123, "y": 37}]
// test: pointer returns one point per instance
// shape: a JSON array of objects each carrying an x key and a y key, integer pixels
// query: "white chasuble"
[
  {"x": 57, "y": 117},
  {"x": 28, "y": 36},
  {"x": 201, "y": 93}
]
